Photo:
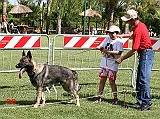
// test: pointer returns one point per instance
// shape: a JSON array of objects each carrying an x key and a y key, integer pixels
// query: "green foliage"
[{"x": 149, "y": 15}]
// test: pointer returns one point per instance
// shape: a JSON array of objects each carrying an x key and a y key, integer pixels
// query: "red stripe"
[
  {"x": 5, "y": 41},
  {"x": 126, "y": 44},
  {"x": 67, "y": 39},
  {"x": 81, "y": 42},
  {"x": 37, "y": 44},
  {"x": 97, "y": 42},
  {"x": 22, "y": 41},
  {"x": 153, "y": 41}
]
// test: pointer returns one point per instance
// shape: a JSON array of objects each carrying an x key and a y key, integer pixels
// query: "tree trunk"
[
  {"x": 110, "y": 12},
  {"x": 120, "y": 23},
  {"x": 59, "y": 25},
  {"x": 42, "y": 18},
  {"x": 48, "y": 16},
  {"x": 59, "y": 17},
  {"x": 110, "y": 5},
  {"x": 126, "y": 28},
  {"x": 4, "y": 7}
]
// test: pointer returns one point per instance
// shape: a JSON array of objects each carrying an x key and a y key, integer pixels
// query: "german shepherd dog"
[{"x": 43, "y": 75}]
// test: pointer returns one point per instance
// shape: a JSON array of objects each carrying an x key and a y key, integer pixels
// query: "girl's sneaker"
[
  {"x": 97, "y": 99},
  {"x": 115, "y": 101}
]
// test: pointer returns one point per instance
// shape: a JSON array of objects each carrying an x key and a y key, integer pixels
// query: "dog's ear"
[
  {"x": 29, "y": 55},
  {"x": 23, "y": 53}
]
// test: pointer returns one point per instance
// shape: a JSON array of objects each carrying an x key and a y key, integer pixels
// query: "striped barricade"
[
  {"x": 88, "y": 41},
  {"x": 12, "y": 45},
  {"x": 155, "y": 43},
  {"x": 13, "y": 42}
]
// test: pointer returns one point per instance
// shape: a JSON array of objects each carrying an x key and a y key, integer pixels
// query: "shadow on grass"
[
  {"x": 19, "y": 102},
  {"x": 83, "y": 84},
  {"x": 59, "y": 102},
  {"x": 120, "y": 102},
  {"x": 3, "y": 87},
  {"x": 31, "y": 103}
]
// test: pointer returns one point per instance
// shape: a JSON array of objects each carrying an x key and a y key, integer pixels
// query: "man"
[{"x": 142, "y": 45}]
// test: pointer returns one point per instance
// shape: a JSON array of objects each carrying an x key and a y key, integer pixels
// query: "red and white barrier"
[
  {"x": 155, "y": 43},
  {"x": 88, "y": 41},
  {"x": 19, "y": 42},
  {"x": 69, "y": 42},
  {"x": 94, "y": 42}
]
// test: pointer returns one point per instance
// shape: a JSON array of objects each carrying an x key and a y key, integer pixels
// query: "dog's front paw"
[
  {"x": 71, "y": 101},
  {"x": 35, "y": 106},
  {"x": 43, "y": 103},
  {"x": 78, "y": 105}
]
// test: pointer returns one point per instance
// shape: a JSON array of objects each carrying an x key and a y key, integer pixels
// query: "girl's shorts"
[{"x": 107, "y": 73}]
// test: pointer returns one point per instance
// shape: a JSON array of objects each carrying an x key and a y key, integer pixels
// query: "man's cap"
[
  {"x": 114, "y": 29},
  {"x": 130, "y": 14}
]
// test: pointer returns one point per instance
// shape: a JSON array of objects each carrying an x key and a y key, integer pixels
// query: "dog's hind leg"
[
  {"x": 39, "y": 96},
  {"x": 77, "y": 100},
  {"x": 43, "y": 98},
  {"x": 72, "y": 98},
  {"x": 75, "y": 95}
]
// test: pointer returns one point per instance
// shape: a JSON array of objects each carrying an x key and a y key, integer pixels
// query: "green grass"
[{"x": 11, "y": 86}]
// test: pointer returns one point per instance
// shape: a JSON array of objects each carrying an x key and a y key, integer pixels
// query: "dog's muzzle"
[{"x": 17, "y": 66}]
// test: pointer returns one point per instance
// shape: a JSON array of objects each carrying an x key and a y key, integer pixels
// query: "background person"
[
  {"x": 4, "y": 23},
  {"x": 141, "y": 44},
  {"x": 12, "y": 29},
  {"x": 112, "y": 49}
]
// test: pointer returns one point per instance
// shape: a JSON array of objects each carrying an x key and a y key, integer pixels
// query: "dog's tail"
[{"x": 75, "y": 77}]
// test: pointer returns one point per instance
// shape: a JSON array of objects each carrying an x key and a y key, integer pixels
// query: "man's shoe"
[
  {"x": 145, "y": 107},
  {"x": 97, "y": 99}
]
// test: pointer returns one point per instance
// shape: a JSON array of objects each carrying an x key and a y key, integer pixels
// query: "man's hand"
[{"x": 119, "y": 60}]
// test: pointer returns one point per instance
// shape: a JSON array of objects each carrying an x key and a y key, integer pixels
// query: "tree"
[
  {"x": 109, "y": 7},
  {"x": 148, "y": 13},
  {"x": 4, "y": 6},
  {"x": 60, "y": 3},
  {"x": 48, "y": 16},
  {"x": 42, "y": 18},
  {"x": 66, "y": 11}
]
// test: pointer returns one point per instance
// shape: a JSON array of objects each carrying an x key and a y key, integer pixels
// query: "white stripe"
[
  {"x": 31, "y": 42},
  {"x": 13, "y": 42},
  {"x": 124, "y": 40},
  {"x": 72, "y": 42},
  {"x": 1, "y": 37},
  {"x": 89, "y": 42},
  {"x": 156, "y": 46}
]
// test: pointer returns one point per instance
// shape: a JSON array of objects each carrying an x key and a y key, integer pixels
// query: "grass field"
[{"x": 24, "y": 93}]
